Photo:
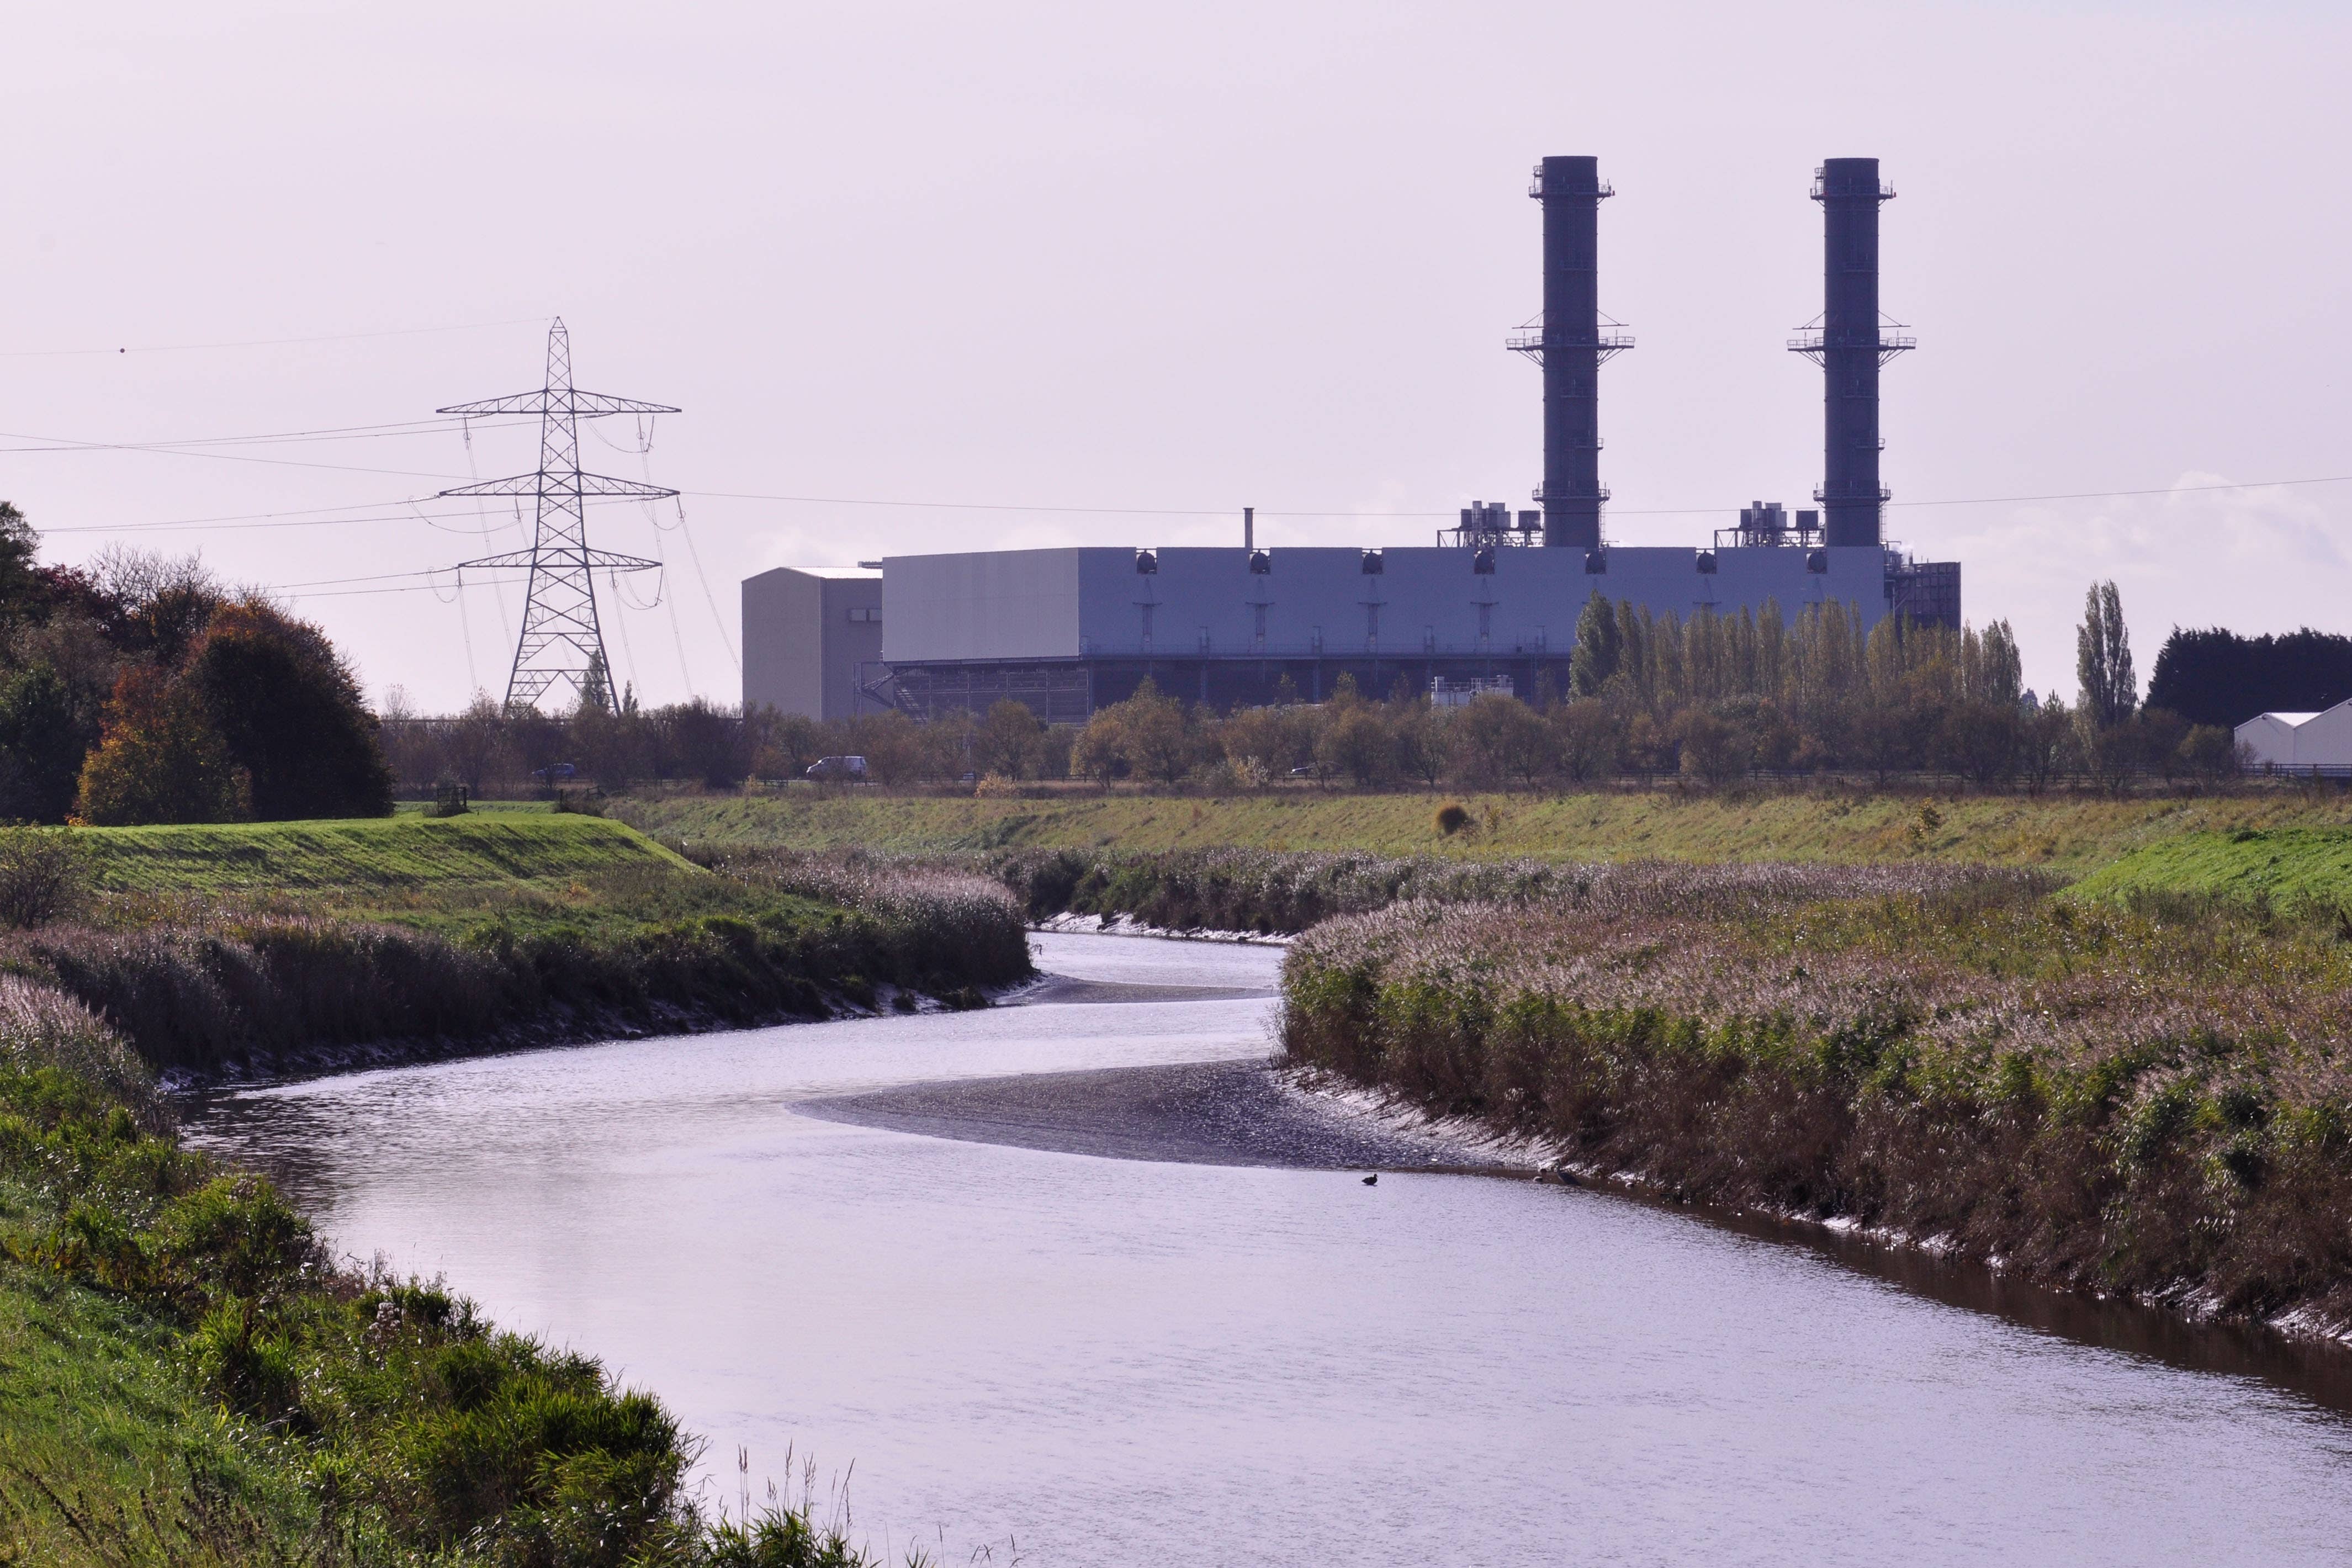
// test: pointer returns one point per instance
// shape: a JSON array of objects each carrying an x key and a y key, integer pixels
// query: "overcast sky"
[{"x": 1116, "y": 277}]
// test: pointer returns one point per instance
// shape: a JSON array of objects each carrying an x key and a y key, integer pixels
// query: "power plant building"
[
  {"x": 1069, "y": 630},
  {"x": 1496, "y": 601},
  {"x": 813, "y": 640}
]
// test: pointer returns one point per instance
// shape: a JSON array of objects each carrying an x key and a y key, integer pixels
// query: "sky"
[{"x": 937, "y": 276}]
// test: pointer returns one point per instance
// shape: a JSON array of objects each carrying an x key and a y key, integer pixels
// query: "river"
[{"x": 1148, "y": 1312}]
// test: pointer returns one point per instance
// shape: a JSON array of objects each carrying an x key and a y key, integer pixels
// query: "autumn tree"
[
  {"x": 1500, "y": 737},
  {"x": 1010, "y": 740},
  {"x": 161, "y": 759}
]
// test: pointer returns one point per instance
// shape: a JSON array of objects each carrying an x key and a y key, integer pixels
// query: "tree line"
[
  {"x": 141, "y": 688},
  {"x": 1711, "y": 697},
  {"x": 2218, "y": 677}
]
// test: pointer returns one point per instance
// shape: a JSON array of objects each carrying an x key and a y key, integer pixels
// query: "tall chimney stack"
[
  {"x": 1572, "y": 347},
  {"x": 1850, "y": 348}
]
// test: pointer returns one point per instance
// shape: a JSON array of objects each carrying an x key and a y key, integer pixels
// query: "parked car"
[{"x": 851, "y": 768}]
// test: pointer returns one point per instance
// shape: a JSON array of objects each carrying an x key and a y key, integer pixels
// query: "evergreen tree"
[{"x": 41, "y": 747}]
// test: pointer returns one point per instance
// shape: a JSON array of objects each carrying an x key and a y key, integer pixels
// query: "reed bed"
[
  {"x": 2150, "y": 1103},
  {"x": 1272, "y": 892},
  {"x": 215, "y": 987},
  {"x": 942, "y": 907}
]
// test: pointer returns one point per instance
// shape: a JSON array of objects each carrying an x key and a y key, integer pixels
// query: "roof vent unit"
[
  {"x": 1817, "y": 562},
  {"x": 1530, "y": 522},
  {"x": 1261, "y": 563},
  {"x": 1707, "y": 562},
  {"x": 1481, "y": 560},
  {"x": 1596, "y": 562},
  {"x": 1374, "y": 564},
  {"x": 1147, "y": 562}
]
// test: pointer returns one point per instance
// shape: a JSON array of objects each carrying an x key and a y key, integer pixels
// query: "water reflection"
[{"x": 1120, "y": 1361}]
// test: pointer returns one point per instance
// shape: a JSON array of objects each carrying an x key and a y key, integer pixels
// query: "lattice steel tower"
[{"x": 562, "y": 641}]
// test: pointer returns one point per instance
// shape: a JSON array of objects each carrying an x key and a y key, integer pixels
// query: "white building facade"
[{"x": 2300, "y": 739}]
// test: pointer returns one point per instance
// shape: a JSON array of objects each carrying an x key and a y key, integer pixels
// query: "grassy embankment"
[
  {"x": 1282, "y": 862},
  {"x": 184, "y": 1376},
  {"x": 2068, "y": 833},
  {"x": 2148, "y": 1095},
  {"x": 206, "y": 945},
  {"x": 2294, "y": 871},
  {"x": 186, "y": 1379}
]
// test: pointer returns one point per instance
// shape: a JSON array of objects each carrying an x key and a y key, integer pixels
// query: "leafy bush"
[{"x": 43, "y": 874}]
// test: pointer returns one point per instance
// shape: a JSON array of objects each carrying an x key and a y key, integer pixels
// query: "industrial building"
[
  {"x": 813, "y": 640},
  {"x": 1495, "y": 600},
  {"x": 2300, "y": 742}
]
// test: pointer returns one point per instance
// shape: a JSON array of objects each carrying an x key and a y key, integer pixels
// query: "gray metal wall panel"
[
  {"x": 1428, "y": 598},
  {"x": 1004, "y": 603},
  {"x": 850, "y": 644},
  {"x": 801, "y": 649},
  {"x": 783, "y": 655}
]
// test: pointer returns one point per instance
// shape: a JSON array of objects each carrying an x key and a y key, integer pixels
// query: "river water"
[{"x": 1220, "y": 1347}]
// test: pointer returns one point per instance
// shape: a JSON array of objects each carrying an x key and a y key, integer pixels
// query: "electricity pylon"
[{"x": 563, "y": 640}]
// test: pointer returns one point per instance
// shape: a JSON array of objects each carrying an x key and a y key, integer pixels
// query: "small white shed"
[{"x": 2300, "y": 739}]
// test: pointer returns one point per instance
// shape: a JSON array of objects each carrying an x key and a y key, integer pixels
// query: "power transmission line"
[
  {"x": 563, "y": 640},
  {"x": 268, "y": 343}
]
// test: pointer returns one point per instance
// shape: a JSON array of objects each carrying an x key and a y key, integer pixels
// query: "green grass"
[
  {"x": 367, "y": 854},
  {"x": 536, "y": 871},
  {"x": 2071, "y": 835},
  {"x": 2284, "y": 868},
  {"x": 95, "y": 1407}
]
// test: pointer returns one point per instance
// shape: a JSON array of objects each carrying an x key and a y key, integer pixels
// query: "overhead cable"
[{"x": 271, "y": 343}]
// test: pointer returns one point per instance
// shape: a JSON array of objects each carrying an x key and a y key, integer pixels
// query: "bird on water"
[{"x": 1373, "y": 1180}]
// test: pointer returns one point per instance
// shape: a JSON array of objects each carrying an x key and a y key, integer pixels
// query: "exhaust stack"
[
  {"x": 1851, "y": 346},
  {"x": 1571, "y": 342}
]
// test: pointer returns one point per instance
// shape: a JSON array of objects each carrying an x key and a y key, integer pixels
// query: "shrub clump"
[
  {"x": 43, "y": 874},
  {"x": 1452, "y": 818}
]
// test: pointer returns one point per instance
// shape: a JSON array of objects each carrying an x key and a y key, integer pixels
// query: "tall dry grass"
[
  {"x": 1276, "y": 892},
  {"x": 935, "y": 907},
  {"x": 2100, "y": 1098},
  {"x": 202, "y": 989}
]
